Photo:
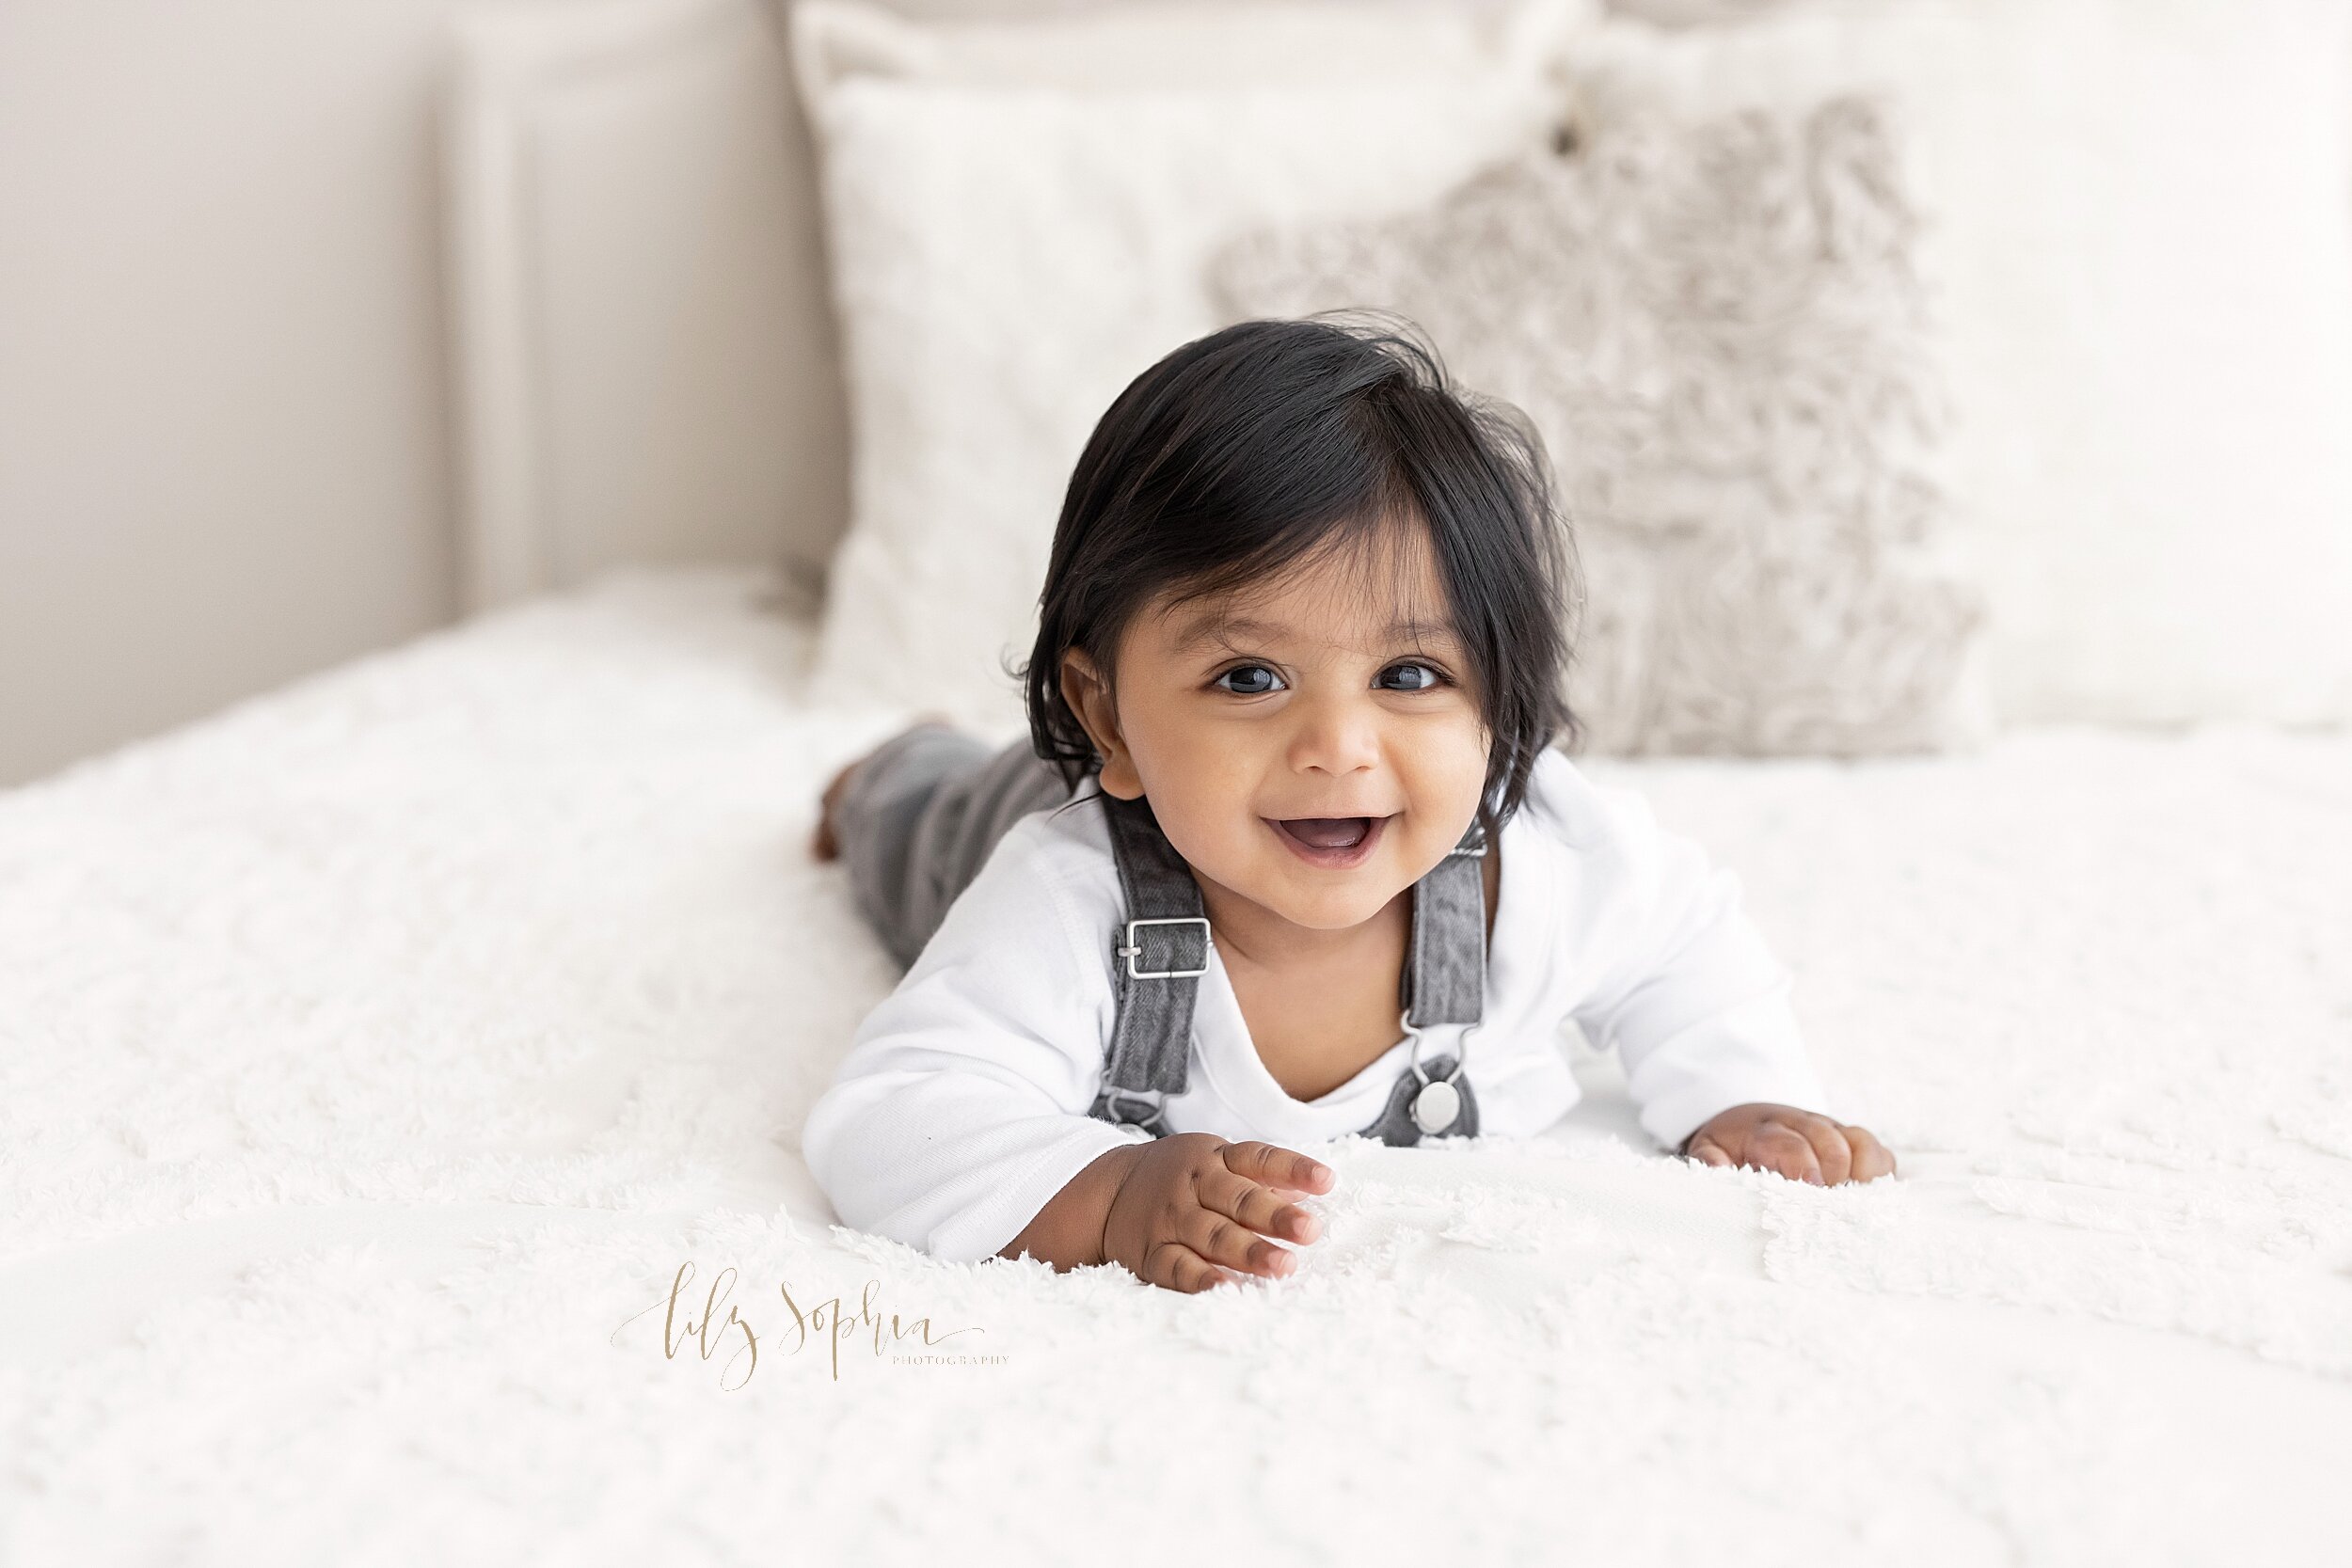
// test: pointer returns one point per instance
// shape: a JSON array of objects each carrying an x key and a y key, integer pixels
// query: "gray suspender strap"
[
  {"x": 1162, "y": 950},
  {"x": 1160, "y": 955},
  {"x": 1445, "y": 976},
  {"x": 1444, "y": 982}
]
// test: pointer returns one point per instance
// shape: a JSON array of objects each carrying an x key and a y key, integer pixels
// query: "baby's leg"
[{"x": 914, "y": 821}]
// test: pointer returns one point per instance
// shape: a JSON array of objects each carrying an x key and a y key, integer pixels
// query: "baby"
[{"x": 1288, "y": 853}]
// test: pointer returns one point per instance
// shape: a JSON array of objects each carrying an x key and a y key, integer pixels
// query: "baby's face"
[{"x": 1312, "y": 743}]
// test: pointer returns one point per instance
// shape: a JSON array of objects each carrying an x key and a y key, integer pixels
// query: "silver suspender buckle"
[{"x": 1131, "y": 949}]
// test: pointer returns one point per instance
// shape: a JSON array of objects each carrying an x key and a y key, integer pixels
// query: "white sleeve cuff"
[
  {"x": 982, "y": 1228},
  {"x": 1745, "y": 1055}
]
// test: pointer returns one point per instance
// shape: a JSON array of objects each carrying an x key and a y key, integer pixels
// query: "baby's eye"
[
  {"x": 1249, "y": 680},
  {"x": 1409, "y": 677}
]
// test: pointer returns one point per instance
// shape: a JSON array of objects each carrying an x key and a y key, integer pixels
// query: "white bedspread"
[{"x": 377, "y": 1053}]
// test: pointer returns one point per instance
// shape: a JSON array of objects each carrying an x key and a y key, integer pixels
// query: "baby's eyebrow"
[
  {"x": 1420, "y": 632},
  {"x": 1204, "y": 629},
  {"x": 1228, "y": 629}
]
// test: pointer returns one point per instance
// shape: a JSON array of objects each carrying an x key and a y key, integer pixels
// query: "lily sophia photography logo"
[{"x": 798, "y": 1323}]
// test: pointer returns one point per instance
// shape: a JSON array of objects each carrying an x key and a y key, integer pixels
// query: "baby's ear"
[{"x": 1090, "y": 697}]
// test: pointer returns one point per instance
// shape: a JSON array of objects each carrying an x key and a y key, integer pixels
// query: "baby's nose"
[{"x": 1336, "y": 737}]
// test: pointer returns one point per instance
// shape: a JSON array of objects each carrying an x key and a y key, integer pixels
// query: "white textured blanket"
[{"x": 375, "y": 1056}]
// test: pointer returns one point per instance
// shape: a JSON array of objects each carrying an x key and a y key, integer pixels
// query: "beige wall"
[
  {"x": 223, "y": 460},
  {"x": 225, "y": 444}
]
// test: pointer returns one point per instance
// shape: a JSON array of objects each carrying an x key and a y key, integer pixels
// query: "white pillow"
[
  {"x": 1007, "y": 258},
  {"x": 1174, "y": 44},
  {"x": 2139, "y": 235}
]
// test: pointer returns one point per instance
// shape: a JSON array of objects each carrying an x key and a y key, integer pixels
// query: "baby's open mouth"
[
  {"x": 1331, "y": 843},
  {"x": 1326, "y": 833}
]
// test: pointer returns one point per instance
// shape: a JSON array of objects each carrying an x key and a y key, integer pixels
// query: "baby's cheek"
[
  {"x": 1448, "y": 769},
  {"x": 1213, "y": 832}
]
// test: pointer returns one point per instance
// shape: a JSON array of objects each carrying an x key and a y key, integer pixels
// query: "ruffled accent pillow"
[{"x": 1717, "y": 328}]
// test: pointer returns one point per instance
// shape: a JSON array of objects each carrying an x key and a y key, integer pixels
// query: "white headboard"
[{"x": 642, "y": 344}]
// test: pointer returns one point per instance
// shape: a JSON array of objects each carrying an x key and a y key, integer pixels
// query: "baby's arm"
[
  {"x": 958, "y": 1123},
  {"x": 1698, "y": 1009}
]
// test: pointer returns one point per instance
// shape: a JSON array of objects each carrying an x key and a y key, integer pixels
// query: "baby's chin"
[{"x": 1328, "y": 900}]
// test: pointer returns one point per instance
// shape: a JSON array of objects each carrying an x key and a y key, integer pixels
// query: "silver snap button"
[{"x": 1437, "y": 1106}]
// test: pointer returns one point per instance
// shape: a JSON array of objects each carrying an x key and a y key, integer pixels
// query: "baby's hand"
[
  {"x": 1800, "y": 1145},
  {"x": 1193, "y": 1206}
]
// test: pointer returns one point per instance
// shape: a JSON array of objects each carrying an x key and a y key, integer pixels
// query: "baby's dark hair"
[{"x": 1242, "y": 451}]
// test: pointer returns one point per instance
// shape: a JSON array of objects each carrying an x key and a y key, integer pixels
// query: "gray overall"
[{"x": 917, "y": 819}]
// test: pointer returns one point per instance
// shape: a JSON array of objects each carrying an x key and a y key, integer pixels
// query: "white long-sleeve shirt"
[{"x": 961, "y": 1106}]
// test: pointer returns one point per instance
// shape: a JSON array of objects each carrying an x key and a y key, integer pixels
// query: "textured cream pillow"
[
  {"x": 1718, "y": 331},
  {"x": 2137, "y": 231},
  {"x": 1007, "y": 258}
]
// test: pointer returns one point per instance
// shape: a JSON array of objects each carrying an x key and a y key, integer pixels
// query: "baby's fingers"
[
  {"x": 1224, "y": 1241},
  {"x": 1776, "y": 1147},
  {"x": 1171, "y": 1263},
  {"x": 1830, "y": 1149},
  {"x": 1871, "y": 1158},
  {"x": 1256, "y": 1206},
  {"x": 1278, "y": 1166}
]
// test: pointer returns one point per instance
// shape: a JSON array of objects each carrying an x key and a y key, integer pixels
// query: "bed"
[
  {"x": 387, "y": 1054},
  {"x": 404, "y": 1072}
]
